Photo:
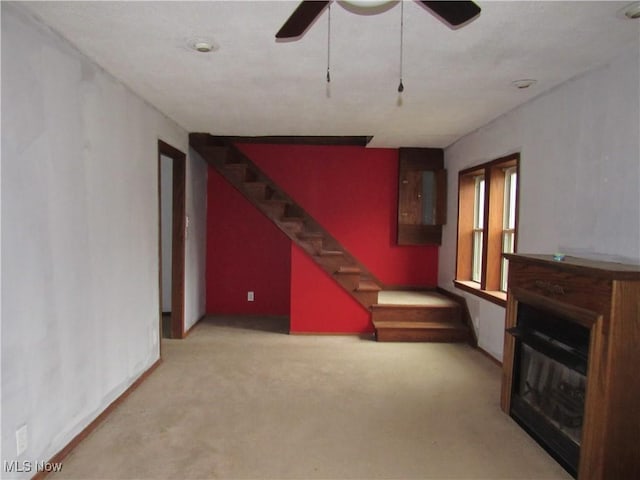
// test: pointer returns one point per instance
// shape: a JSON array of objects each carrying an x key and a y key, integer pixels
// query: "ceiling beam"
[{"x": 358, "y": 141}]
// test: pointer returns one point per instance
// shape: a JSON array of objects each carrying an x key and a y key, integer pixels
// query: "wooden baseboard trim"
[
  {"x": 62, "y": 454},
  {"x": 193, "y": 326},
  {"x": 490, "y": 357},
  {"x": 333, "y": 334},
  {"x": 418, "y": 288}
]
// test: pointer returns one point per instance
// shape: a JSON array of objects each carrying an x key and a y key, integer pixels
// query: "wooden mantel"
[{"x": 605, "y": 298}]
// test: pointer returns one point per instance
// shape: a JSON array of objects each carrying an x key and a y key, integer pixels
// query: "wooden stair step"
[
  {"x": 348, "y": 270},
  {"x": 236, "y": 171},
  {"x": 313, "y": 242},
  {"x": 331, "y": 253},
  {"x": 395, "y": 324},
  {"x": 366, "y": 297},
  {"x": 329, "y": 259},
  {"x": 293, "y": 224},
  {"x": 348, "y": 276},
  {"x": 366, "y": 285},
  {"x": 367, "y": 292},
  {"x": 311, "y": 235},
  {"x": 255, "y": 190},
  {"x": 418, "y": 316},
  {"x": 415, "y": 313},
  {"x": 421, "y": 332},
  {"x": 274, "y": 207},
  {"x": 275, "y": 201}
]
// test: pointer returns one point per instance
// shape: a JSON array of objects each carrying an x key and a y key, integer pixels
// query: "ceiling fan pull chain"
[
  {"x": 329, "y": 45},
  {"x": 401, "y": 86}
]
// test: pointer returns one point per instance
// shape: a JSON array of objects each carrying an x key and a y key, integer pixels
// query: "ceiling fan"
[{"x": 455, "y": 13}]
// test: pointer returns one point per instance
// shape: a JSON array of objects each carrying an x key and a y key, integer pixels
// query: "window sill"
[{"x": 497, "y": 297}]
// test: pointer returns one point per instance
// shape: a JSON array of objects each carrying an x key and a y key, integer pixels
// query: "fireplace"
[
  {"x": 550, "y": 380},
  {"x": 570, "y": 361}
]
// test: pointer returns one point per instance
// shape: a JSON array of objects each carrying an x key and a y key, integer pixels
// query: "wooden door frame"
[{"x": 178, "y": 230}]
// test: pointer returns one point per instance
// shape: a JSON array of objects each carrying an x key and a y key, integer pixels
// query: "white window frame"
[
  {"x": 478, "y": 228},
  {"x": 508, "y": 222}
]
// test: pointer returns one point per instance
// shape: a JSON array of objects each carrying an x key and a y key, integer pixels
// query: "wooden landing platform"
[{"x": 418, "y": 316}]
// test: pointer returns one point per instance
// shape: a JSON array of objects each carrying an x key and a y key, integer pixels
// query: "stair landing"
[
  {"x": 427, "y": 298},
  {"x": 418, "y": 316}
]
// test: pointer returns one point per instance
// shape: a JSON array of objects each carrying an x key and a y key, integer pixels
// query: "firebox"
[{"x": 549, "y": 381}]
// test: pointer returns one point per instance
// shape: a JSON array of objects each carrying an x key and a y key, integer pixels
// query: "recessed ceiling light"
[
  {"x": 202, "y": 44},
  {"x": 203, "y": 47},
  {"x": 632, "y": 10},
  {"x": 523, "y": 83}
]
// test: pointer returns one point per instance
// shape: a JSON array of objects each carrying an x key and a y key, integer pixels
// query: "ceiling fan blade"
[
  {"x": 454, "y": 13},
  {"x": 301, "y": 19}
]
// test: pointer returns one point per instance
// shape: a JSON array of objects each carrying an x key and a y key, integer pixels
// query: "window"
[
  {"x": 478, "y": 222},
  {"x": 487, "y": 226},
  {"x": 508, "y": 222}
]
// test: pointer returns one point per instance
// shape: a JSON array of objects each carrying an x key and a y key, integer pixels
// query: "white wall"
[
  {"x": 196, "y": 241},
  {"x": 80, "y": 279},
  {"x": 580, "y": 176}
]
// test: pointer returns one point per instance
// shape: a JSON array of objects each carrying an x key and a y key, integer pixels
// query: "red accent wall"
[
  {"x": 245, "y": 252},
  {"x": 352, "y": 192},
  {"x": 325, "y": 308}
]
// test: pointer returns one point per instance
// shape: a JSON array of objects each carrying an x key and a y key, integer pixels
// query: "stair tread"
[
  {"x": 368, "y": 286},
  {"x": 387, "y": 306},
  {"x": 311, "y": 235},
  {"x": 329, "y": 253},
  {"x": 420, "y": 325},
  {"x": 348, "y": 270},
  {"x": 255, "y": 187}
]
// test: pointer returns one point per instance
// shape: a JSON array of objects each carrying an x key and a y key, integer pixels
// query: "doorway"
[{"x": 171, "y": 239}]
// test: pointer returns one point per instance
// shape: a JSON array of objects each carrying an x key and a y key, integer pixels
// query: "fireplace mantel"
[{"x": 604, "y": 297}]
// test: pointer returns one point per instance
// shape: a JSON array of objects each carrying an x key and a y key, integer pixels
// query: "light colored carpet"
[{"x": 238, "y": 400}]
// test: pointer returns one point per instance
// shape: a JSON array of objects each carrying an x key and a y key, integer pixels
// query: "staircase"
[
  {"x": 418, "y": 316},
  {"x": 393, "y": 322}
]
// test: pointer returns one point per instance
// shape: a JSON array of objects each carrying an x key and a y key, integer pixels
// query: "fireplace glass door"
[
  {"x": 553, "y": 391},
  {"x": 550, "y": 378}
]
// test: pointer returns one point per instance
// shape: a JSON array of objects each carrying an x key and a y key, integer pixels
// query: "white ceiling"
[{"x": 455, "y": 80}]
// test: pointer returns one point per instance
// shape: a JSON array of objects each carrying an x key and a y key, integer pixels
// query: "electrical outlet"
[
  {"x": 22, "y": 440},
  {"x": 250, "y": 296}
]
